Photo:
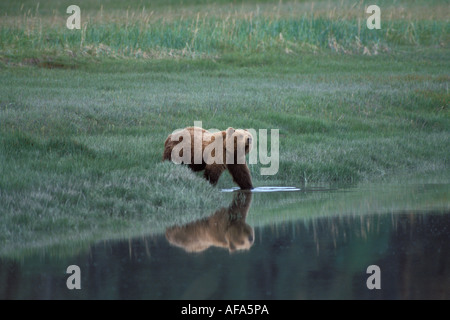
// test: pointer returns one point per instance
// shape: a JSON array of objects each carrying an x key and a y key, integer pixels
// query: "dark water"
[{"x": 225, "y": 257}]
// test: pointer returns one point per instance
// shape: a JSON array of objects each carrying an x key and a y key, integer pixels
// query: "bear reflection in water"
[{"x": 226, "y": 228}]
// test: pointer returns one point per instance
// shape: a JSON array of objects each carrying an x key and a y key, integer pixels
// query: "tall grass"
[{"x": 202, "y": 34}]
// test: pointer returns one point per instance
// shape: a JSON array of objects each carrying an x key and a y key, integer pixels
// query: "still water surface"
[{"x": 234, "y": 254}]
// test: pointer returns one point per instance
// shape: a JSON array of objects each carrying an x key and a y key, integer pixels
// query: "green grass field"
[{"x": 84, "y": 113}]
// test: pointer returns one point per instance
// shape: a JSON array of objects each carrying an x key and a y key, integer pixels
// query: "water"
[
  {"x": 316, "y": 243},
  {"x": 265, "y": 189}
]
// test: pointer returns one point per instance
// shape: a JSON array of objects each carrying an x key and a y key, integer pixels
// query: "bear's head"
[
  {"x": 240, "y": 236},
  {"x": 241, "y": 138}
]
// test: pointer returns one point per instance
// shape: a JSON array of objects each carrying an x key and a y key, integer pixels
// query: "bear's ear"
[{"x": 230, "y": 131}]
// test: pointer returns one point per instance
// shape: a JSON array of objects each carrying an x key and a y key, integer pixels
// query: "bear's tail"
[{"x": 168, "y": 146}]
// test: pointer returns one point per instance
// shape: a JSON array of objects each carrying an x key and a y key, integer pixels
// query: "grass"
[
  {"x": 211, "y": 29},
  {"x": 84, "y": 114}
]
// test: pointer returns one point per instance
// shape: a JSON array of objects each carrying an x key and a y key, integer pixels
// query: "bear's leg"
[
  {"x": 241, "y": 175},
  {"x": 213, "y": 172},
  {"x": 168, "y": 146},
  {"x": 240, "y": 205}
]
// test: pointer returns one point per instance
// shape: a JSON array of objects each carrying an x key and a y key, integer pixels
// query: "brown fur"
[
  {"x": 239, "y": 171},
  {"x": 226, "y": 228}
]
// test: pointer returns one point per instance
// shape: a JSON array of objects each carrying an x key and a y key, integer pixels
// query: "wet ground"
[{"x": 382, "y": 247}]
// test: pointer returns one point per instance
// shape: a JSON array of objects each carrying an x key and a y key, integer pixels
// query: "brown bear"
[
  {"x": 226, "y": 228},
  {"x": 212, "y": 152}
]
